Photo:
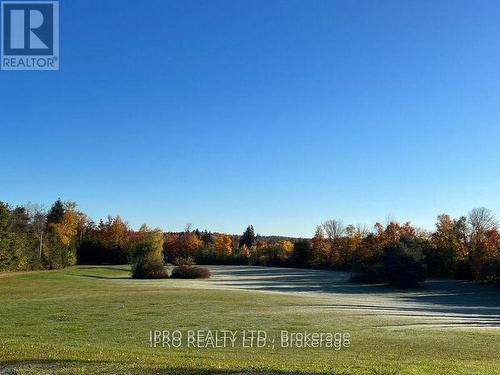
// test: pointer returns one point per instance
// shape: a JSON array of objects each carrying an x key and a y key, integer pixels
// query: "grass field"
[{"x": 86, "y": 320}]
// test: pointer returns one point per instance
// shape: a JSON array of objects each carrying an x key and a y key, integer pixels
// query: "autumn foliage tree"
[
  {"x": 182, "y": 244},
  {"x": 107, "y": 243},
  {"x": 273, "y": 253},
  {"x": 223, "y": 246},
  {"x": 59, "y": 248}
]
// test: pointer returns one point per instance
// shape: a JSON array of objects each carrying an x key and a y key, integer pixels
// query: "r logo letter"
[
  {"x": 17, "y": 29},
  {"x": 36, "y": 21}
]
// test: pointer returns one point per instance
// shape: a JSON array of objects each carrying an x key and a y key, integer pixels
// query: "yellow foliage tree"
[
  {"x": 67, "y": 228},
  {"x": 113, "y": 232},
  {"x": 286, "y": 246},
  {"x": 223, "y": 245},
  {"x": 244, "y": 251}
]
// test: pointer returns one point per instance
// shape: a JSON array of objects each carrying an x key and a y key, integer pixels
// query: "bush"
[
  {"x": 463, "y": 270},
  {"x": 302, "y": 253},
  {"x": 490, "y": 271},
  {"x": 398, "y": 266},
  {"x": 402, "y": 268},
  {"x": 368, "y": 274},
  {"x": 149, "y": 269},
  {"x": 190, "y": 272},
  {"x": 440, "y": 263}
]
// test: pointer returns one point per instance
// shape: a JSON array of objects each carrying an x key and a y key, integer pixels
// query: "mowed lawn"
[{"x": 86, "y": 320}]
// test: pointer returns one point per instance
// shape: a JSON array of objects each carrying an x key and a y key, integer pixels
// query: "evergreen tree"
[
  {"x": 19, "y": 220},
  {"x": 302, "y": 253},
  {"x": 56, "y": 212},
  {"x": 206, "y": 237},
  {"x": 248, "y": 237}
]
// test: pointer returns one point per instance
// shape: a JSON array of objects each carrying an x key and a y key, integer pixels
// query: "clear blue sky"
[{"x": 279, "y": 114}]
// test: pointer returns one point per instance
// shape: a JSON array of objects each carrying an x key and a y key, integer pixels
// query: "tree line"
[
  {"x": 32, "y": 238},
  {"x": 467, "y": 247}
]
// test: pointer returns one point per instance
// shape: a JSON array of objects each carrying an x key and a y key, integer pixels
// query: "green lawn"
[{"x": 94, "y": 320}]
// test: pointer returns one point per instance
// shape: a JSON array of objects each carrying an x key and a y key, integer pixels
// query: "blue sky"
[{"x": 279, "y": 114}]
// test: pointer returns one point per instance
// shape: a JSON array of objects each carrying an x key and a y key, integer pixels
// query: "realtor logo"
[{"x": 29, "y": 35}]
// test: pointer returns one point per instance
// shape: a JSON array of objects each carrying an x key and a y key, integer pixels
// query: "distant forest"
[{"x": 467, "y": 247}]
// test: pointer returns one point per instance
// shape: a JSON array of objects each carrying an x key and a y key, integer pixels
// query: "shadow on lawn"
[
  {"x": 111, "y": 268},
  {"x": 461, "y": 299},
  {"x": 472, "y": 303},
  {"x": 105, "y": 277},
  {"x": 105, "y": 268},
  {"x": 47, "y": 366}
]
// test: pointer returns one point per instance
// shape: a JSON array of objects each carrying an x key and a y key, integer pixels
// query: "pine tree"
[
  {"x": 248, "y": 237},
  {"x": 56, "y": 212}
]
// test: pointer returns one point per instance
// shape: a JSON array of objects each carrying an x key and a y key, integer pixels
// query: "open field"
[{"x": 97, "y": 320}]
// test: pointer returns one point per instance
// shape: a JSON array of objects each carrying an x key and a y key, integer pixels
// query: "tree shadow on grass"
[
  {"x": 63, "y": 366},
  {"x": 292, "y": 280},
  {"x": 104, "y": 277},
  {"x": 105, "y": 267},
  {"x": 457, "y": 299}
]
